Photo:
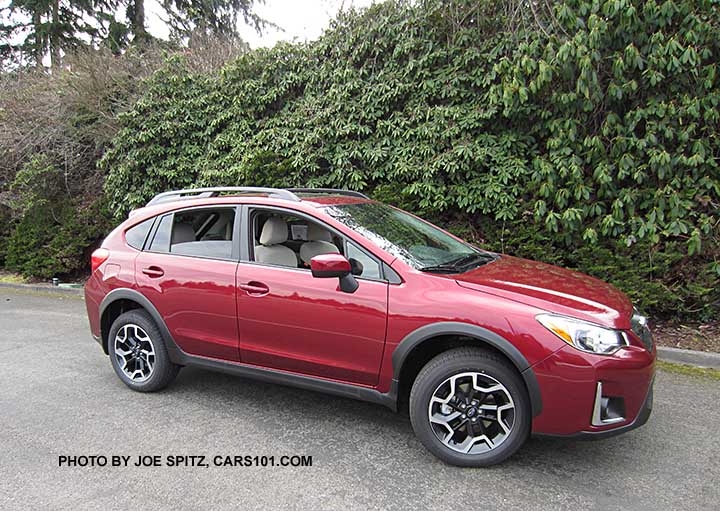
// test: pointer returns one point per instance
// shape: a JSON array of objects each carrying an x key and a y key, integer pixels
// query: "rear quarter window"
[{"x": 136, "y": 235}]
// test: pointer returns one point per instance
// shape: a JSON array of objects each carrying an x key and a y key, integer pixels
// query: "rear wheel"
[
  {"x": 469, "y": 407},
  {"x": 138, "y": 354}
]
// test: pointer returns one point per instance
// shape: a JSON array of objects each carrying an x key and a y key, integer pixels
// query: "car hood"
[{"x": 551, "y": 288}]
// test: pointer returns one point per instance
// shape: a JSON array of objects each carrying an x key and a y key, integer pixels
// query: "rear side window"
[
  {"x": 136, "y": 235},
  {"x": 203, "y": 232}
]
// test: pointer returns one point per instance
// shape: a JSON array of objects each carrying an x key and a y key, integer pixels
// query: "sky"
[{"x": 302, "y": 20}]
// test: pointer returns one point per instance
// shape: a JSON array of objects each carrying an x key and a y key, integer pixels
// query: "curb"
[
  {"x": 68, "y": 291},
  {"x": 689, "y": 357}
]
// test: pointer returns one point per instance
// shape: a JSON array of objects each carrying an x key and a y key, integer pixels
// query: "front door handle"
[
  {"x": 153, "y": 272},
  {"x": 255, "y": 288}
]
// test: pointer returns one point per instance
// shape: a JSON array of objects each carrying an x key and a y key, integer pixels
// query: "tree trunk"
[
  {"x": 138, "y": 21},
  {"x": 39, "y": 49},
  {"x": 55, "y": 55}
]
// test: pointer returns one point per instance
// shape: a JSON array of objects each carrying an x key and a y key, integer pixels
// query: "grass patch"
[
  {"x": 688, "y": 370},
  {"x": 12, "y": 278}
]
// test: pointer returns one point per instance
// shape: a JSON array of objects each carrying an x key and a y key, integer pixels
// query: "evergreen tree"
[{"x": 30, "y": 30}]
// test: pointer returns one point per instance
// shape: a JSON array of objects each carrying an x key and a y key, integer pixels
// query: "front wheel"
[
  {"x": 469, "y": 407},
  {"x": 138, "y": 354}
]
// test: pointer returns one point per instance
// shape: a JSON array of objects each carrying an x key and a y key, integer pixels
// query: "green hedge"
[
  {"x": 606, "y": 128},
  {"x": 47, "y": 242}
]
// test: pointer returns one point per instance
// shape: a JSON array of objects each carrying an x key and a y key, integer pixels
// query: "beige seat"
[
  {"x": 270, "y": 250},
  {"x": 182, "y": 233},
  {"x": 319, "y": 242}
]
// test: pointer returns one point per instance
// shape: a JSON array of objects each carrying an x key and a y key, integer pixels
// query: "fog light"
[{"x": 607, "y": 409}]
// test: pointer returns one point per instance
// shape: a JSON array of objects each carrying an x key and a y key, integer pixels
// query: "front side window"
[
  {"x": 362, "y": 264},
  {"x": 285, "y": 239},
  {"x": 203, "y": 232},
  {"x": 417, "y": 243}
]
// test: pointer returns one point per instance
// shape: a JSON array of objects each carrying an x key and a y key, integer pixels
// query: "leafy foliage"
[
  {"x": 47, "y": 242},
  {"x": 53, "y": 233},
  {"x": 581, "y": 131},
  {"x": 627, "y": 112},
  {"x": 5, "y": 229}
]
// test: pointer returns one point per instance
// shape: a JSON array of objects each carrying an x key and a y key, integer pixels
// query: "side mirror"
[{"x": 328, "y": 266}]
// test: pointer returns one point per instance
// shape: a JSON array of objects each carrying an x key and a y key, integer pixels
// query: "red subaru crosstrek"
[{"x": 330, "y": 291}]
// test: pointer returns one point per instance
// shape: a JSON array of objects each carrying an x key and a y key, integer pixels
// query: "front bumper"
[
  {"x": 639, "y": 420},
  {"x": 569, "y": 386}
]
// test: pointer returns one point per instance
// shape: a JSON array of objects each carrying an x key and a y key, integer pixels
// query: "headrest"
[
  {"x": 317, "y": 233},
  {"x": 274, "y": 232},
  {"x": 182, "y": 233}
]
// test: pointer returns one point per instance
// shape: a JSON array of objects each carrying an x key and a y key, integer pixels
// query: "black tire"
[
  {"x": 163, "y": 371},
  {"x": 437, "y": 373}
]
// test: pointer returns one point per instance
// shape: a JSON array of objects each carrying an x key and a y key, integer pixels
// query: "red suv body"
[{"x": 330, "y": 291}]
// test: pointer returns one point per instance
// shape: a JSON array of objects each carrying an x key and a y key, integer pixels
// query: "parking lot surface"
[{"x": 60, "y": 397}]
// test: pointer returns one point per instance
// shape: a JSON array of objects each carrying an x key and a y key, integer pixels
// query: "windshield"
[{"x": 417, "y": 243}]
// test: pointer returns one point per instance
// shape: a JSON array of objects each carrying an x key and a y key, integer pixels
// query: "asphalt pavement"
[{"x": 60, "y": 397}]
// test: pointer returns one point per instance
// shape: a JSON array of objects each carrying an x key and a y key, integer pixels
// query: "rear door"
[{"x": 187, "y": 271}]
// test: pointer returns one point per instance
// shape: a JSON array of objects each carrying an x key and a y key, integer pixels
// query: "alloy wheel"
[
  {"x": 134, "y": 352},
  {"x": 471, "y": 413}
]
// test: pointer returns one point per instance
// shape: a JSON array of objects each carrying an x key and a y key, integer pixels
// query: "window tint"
[
  {"x": 161, "y": 241},
  {"x": 205, "y": 232},
  {"x": 370, "y": 268},
  {"x": 135, "y": 236}
]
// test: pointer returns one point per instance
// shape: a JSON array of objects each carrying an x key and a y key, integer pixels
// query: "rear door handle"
[
  {"x": 255, "y": 288},
  {"x": 153, "y": 272}
]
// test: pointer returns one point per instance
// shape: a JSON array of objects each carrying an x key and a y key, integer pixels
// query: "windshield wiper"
[
  {"x": 456, "y": 264},
  {"x": 440, "y": 268}
]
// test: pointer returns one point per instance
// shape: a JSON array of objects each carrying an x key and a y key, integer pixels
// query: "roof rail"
[
  {"x": 200, "y": 193},
  {"x": 335, "y": 191}
]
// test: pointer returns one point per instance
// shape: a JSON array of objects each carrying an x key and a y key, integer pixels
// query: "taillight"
[{"x": 98, "y": 257}]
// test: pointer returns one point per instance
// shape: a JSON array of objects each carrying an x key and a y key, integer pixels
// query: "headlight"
[{"x": 583, "y": 336}]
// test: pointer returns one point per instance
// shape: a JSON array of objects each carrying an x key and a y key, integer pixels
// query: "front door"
[{"x": 291, "y": 321}]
